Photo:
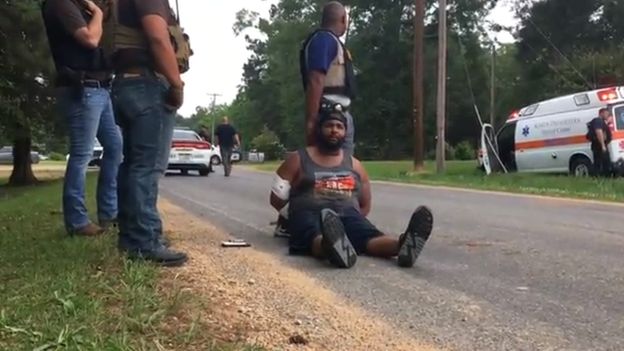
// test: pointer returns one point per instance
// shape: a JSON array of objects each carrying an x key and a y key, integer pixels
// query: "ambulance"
[{"x": 550, "y": 136}]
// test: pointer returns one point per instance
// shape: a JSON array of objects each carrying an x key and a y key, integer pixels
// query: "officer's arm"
[
  {"x": 285, "y": 177},
  {"x": 314, "y": 92},
  {"x": 365, "y": 198},
  {"x": 600, "y": 136},
  {"x": 322, "y": 50},
  {"x": 87, "y": 34},
  {"x": 157, "y": 32}
]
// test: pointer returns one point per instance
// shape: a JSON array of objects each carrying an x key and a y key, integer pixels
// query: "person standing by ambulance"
[{"x": 600, "y": 136}]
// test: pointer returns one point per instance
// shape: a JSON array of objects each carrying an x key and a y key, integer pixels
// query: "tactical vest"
[
  {"x": 340, "y": 78},
  {"x": 118, "y": 36},
  {"x": 70, "y": 57}
]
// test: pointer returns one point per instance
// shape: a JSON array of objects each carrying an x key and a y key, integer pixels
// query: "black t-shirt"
[
  {"x": 66, "y": 13},
  {"x": 599, "y": 123},
  {"x": 226, "y": 133}
]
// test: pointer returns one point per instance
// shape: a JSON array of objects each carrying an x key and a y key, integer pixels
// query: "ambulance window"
[
  {"x": 618, "y": 115},
  {"x": 530, "y": 110},
  {"x": 581, "y": 99}
]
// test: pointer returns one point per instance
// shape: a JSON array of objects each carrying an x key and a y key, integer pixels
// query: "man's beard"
[{"x": 328, "y": 146}]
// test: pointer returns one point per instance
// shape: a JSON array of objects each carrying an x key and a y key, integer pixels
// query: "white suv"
[{"x": 189, "y": 152}]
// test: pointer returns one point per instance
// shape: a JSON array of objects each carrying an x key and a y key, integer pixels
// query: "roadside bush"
[
  {"x": 269, "y": 143},
  {"x": 55, "y": 156},
  {"x": 449, "y": 153},
  {"x": 464, "y": 151}
]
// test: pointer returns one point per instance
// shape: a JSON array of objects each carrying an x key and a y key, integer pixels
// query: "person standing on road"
[
  {"x": 327, "y": 72},
  {"x": 600, "y": 136},
  {"x": 83, "y": 81},
  {"x": 227, "y": 138},
  {"x": 147, "y": 92}
]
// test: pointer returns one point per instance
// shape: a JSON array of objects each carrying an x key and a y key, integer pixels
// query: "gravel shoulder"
[{"x": 250, "y": 297}]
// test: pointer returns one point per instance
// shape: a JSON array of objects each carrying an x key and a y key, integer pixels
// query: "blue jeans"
[
  {"x": 89, "y": 115},
  {"x": 147, "y": 129}
]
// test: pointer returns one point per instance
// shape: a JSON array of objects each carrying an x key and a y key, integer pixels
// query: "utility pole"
[
  {"x": 417, "y": 89},
  {"x": 441, "y": 108},
  {"x": 493, "y": 88},
  {"x": 178, "y": 11},
  {"x": 212, "y": 107}
]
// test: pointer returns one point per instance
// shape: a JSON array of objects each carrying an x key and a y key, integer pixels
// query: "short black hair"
[
  {"x": 333, "y": 12},
  {"x": 604, "y": 109}
]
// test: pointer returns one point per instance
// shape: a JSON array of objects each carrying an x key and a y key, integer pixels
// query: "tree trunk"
[{"x": 22, "y": 163}]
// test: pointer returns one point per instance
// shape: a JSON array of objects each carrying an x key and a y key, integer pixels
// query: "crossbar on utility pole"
[
  {"x": 417, "y": 89},
  {"x": 441, "y": 108},
  {"x": 212, "y": 107}
]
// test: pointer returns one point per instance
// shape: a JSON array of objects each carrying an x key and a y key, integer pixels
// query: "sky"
[{"x": 219, "y": 56}]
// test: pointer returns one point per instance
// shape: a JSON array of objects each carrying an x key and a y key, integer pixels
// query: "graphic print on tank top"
[{"x": 334, "y": 185}]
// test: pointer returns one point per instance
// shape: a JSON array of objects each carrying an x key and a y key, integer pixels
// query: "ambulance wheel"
[{"x": 580, "y": 166}]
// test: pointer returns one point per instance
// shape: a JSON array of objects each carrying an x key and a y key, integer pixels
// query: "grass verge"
[
  {"x": 464, "y": 174},
  {"x": 67, "y": 293}
]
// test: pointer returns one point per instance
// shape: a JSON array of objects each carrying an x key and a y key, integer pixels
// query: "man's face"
[
  {"x": 606, "y": 115},
  {"x": 333, "y": 134}
]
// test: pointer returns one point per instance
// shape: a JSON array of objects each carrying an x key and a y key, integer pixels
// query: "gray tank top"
[{"x": 325, "y": 187}]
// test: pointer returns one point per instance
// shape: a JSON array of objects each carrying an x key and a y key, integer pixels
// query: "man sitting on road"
[{"x": 328, "y": 195}]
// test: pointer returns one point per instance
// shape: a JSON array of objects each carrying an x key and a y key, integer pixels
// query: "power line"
[{"x": 559, "y": 52}]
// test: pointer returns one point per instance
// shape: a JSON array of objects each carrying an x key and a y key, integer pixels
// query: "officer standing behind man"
[
  {"x": 147, "y": 92},
  {"x": 74, "y": 31},
  {"x": 327, "y": 72},
  {"x": 328, "y": 80},
  {"x": 227, "y": 139}
]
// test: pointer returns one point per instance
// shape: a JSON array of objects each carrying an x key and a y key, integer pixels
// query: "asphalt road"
[{"x": 500, "y": 272}]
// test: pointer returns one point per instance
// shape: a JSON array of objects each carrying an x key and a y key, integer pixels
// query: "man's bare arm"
[
  {"x": 91, "y": 35},
  {"x": 237, "y": 139},
  {"x": 288, "y": 171},
  {"x": 366, "y": 197},
  {"x": 314, "y": 92},
  {"x": 157, "y": 32}
]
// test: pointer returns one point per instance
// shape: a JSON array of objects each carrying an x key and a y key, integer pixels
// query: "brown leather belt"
[{"x": 132, "y": 72}]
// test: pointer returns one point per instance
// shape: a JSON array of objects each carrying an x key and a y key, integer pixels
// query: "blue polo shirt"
[{"x": 322, "y": 50}]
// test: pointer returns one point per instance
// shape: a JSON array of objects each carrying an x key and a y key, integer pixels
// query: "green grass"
[
  {"x": 464, "y": 174},
  {"x": 61, "y": 293}
]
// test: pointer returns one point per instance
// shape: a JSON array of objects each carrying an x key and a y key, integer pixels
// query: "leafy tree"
[{"x": 25, "y": 71}]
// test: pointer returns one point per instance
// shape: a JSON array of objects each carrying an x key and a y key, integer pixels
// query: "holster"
[{"x": 72, "y": 79}]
